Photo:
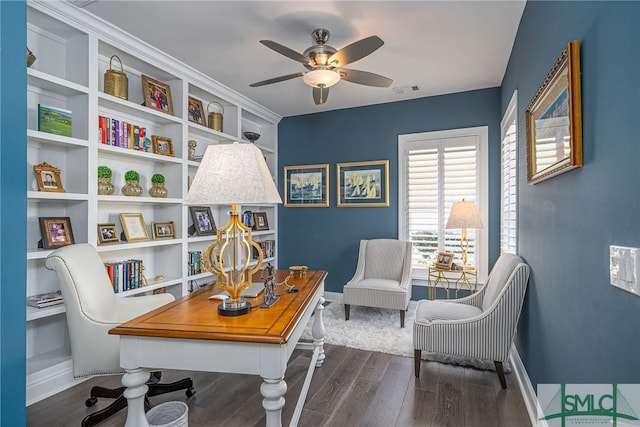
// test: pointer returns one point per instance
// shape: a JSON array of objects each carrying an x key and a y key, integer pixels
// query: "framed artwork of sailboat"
[
  {"x": 363, "y": 184},
  {"x": 306, "y": 186}
]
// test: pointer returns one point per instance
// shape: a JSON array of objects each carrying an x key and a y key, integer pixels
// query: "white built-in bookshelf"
[{"x": 73, "y": 49}]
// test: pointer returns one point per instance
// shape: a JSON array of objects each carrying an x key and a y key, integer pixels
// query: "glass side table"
[{"x": 456, "y": 279}]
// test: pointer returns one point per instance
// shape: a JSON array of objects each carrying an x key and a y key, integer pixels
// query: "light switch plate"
[{"x": 624, "y": 267}]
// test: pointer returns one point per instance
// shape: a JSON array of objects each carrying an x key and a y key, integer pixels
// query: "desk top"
[{"x": 195, "y": 316}]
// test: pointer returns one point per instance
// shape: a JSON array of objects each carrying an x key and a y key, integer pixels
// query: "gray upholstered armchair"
[
  {"x": 92, "y": 309},
  {"x": 480, "y": 326},
  {"x": 382, "y": 278}
]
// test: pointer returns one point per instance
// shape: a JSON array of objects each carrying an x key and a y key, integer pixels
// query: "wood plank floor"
[{"x": 353, "y": 388}]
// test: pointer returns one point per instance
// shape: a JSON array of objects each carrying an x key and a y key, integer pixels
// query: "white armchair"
[
  {"x": 92, "y": 309},
  {"x": 479, "y": 326},
  {"x": 382, "y": 278}
]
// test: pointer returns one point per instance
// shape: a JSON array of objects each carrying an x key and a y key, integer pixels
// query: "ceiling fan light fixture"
[{"x": 321, "y": 78}]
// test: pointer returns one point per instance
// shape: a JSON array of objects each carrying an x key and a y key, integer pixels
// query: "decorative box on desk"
[{"x": 460, "y": 276}]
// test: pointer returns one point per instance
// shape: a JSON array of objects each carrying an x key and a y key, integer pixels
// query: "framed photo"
[
  {"x": 107, "y": 233},
  {"x": 196, "y": 111},
  {"x": 203, "y": 220},
  {"x": 135, "y": 230},
  {"x": 363, "y": 184},
  {"x": 163, "y": 230},
  {"x": 444, "y": 260},
  {"x": 554, "y": 120},
  {"x": 48, "y": 178},
  {"x": 157, "y": 95},
  {"x": 162, "y": 145},
  {"x": 306, "y": 186},
  {"x": 56, "y": 232},
  {"x": 260, "y": 221}
]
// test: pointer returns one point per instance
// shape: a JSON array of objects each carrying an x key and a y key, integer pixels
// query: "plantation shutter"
[{"x": 508, "y": 214}]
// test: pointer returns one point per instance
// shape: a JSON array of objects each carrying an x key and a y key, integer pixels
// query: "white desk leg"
[
  {"x": 135, "y": 381},
  {"x": 318, "y": 331},
  {"x": 273, "y": 391}
]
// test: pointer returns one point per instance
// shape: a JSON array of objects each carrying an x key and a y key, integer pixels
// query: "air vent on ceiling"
[{"x": 400, "y": 90}]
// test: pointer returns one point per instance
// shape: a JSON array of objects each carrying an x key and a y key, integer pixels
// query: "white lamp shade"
[
  {"x": 464, "y": 215},
  {"x": 233, "y": 174},
  {"x": 321, "y": 78}
]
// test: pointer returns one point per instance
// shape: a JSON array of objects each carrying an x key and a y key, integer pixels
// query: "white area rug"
[{"x": 378, "y": 329}]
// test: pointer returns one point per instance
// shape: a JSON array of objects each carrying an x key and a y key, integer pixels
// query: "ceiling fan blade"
[
  {"x": 320, "y": 95},
  {"x": 283, "y": 50},
  {"x": 365, "y": 78},
  {"x": 277, "y": 79},
  {"x": 356, "y": 50}
]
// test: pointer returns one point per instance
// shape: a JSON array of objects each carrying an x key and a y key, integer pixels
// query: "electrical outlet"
[{"x": 624, "y": 267}]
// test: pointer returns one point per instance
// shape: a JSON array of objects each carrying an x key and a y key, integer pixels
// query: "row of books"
[
  {"x": 46, "y": 299},
  {"x": 194, "y": 265},
  {"x": 122, "y": 134},
  {"x": 125, "y": 275},
  {"x": 268, "y": 249}
]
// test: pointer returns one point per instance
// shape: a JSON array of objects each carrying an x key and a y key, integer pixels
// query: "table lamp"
[
  {"x": 233, "y": 174},
  {"x": 464, "y": 215}
]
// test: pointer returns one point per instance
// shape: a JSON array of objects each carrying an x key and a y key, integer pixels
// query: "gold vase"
[
  {"x": 105, "y": 187},
  {"x": 131, "y": 188},
  {"x": 158, "y": 190}
]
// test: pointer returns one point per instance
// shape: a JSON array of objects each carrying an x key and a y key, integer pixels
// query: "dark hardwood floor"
[{"x": 353, "y": 388}]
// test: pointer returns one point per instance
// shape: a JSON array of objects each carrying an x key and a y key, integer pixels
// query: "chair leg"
[
  {"x": 500, "y": 371},
  {"x": 109, "y": 393},
  {"x": 346, "y": 311},
  {"x": 99, "y": 416},
  {"x": 156, "y": 388},
  {"x": 402, "y": 318},
  {"x": 417, "y": 358}
]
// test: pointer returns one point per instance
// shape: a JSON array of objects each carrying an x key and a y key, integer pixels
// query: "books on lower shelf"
[
  {"x": 121, "y": 134},
  {"x": 46, "y": 299},
  {"x": 268, "y": 249},
  {"x": 125, "y": 275}
]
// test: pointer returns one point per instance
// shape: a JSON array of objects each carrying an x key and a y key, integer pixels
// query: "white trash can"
[{"x": 169, "y": 414}]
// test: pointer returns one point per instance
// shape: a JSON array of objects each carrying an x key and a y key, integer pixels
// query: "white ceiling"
[{"x": 440, "y": 46}]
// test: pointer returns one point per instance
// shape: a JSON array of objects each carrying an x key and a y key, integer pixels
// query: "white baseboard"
[
  {"x": 526, "y": 389},
  {"x": 50, "y": 381}
]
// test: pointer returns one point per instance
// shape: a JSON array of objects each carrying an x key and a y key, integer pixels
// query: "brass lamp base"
[{"x": 234, "y": 308}]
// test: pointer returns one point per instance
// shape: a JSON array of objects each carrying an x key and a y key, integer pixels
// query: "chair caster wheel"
[
  {"x": 91, "y": 401},
  {"x": 190, "y": 391}
]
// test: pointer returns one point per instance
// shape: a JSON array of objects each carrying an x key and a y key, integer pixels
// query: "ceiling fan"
[{"x": 325, "y": 64}]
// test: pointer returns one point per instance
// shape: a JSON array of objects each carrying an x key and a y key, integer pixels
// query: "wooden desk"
[{"x": 189, "y": 334}]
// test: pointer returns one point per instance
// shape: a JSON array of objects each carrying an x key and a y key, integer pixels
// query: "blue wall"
[
  {"x": 328, "y": 238},
  {"x": 576, "y": 328},
  {"x": 13, "y": 211}
]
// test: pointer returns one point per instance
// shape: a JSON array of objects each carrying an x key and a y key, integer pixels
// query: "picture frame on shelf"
[
  {"x": 363, "y": 184},
  {"x": 196, "y": 111},
  {"x": 134, "y": 227},
  {"x": 553, "y": 116},
  {"x": 162, "y": 145},
  {"x": 203, "y": 221},
  {"x": 56, "y": 232},
  {"x": 444, "y": 260},
  {"x": 163, "y": 230},
  {"x": 48, "y": 177},
  {"x": 107, "y": 233},
  {"x": 260, "y": 221},
  {"x": 306, "y": 186},
  {"x": 157, "y": 95}
]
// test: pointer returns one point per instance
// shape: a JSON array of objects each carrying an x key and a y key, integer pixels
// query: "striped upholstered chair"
[
  {"x": 382, "y": 278},
  {"x": 480, "y": 326}
]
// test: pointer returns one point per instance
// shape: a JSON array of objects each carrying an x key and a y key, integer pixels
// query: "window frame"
[{"x": 482, "y": 192}]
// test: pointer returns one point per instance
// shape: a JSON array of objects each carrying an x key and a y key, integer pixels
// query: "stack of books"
[{"x": 45, "y": 300}]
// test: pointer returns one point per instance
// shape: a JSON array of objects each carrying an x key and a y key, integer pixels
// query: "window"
[
  {"x": 435, "y": 170},
  {"x": 509, "y": 184}
]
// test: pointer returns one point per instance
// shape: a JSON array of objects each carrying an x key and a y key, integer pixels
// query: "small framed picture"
[
  {"x": 56, "y": 232},
  {"x": 134, "y": 227},
  {"x": 163, "y": 230},
  {"x": 203, "y": 220},
  {"x": 162, "y": 145},
  {"x": 48, "y": 178},
  {"x": 444, "y": 260},
  {"x": 157, "y": 95},
  {"x": 107, "y": 233},
  {"x": 260, "y": 221},
  {"x": 196, "y": 111}
]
